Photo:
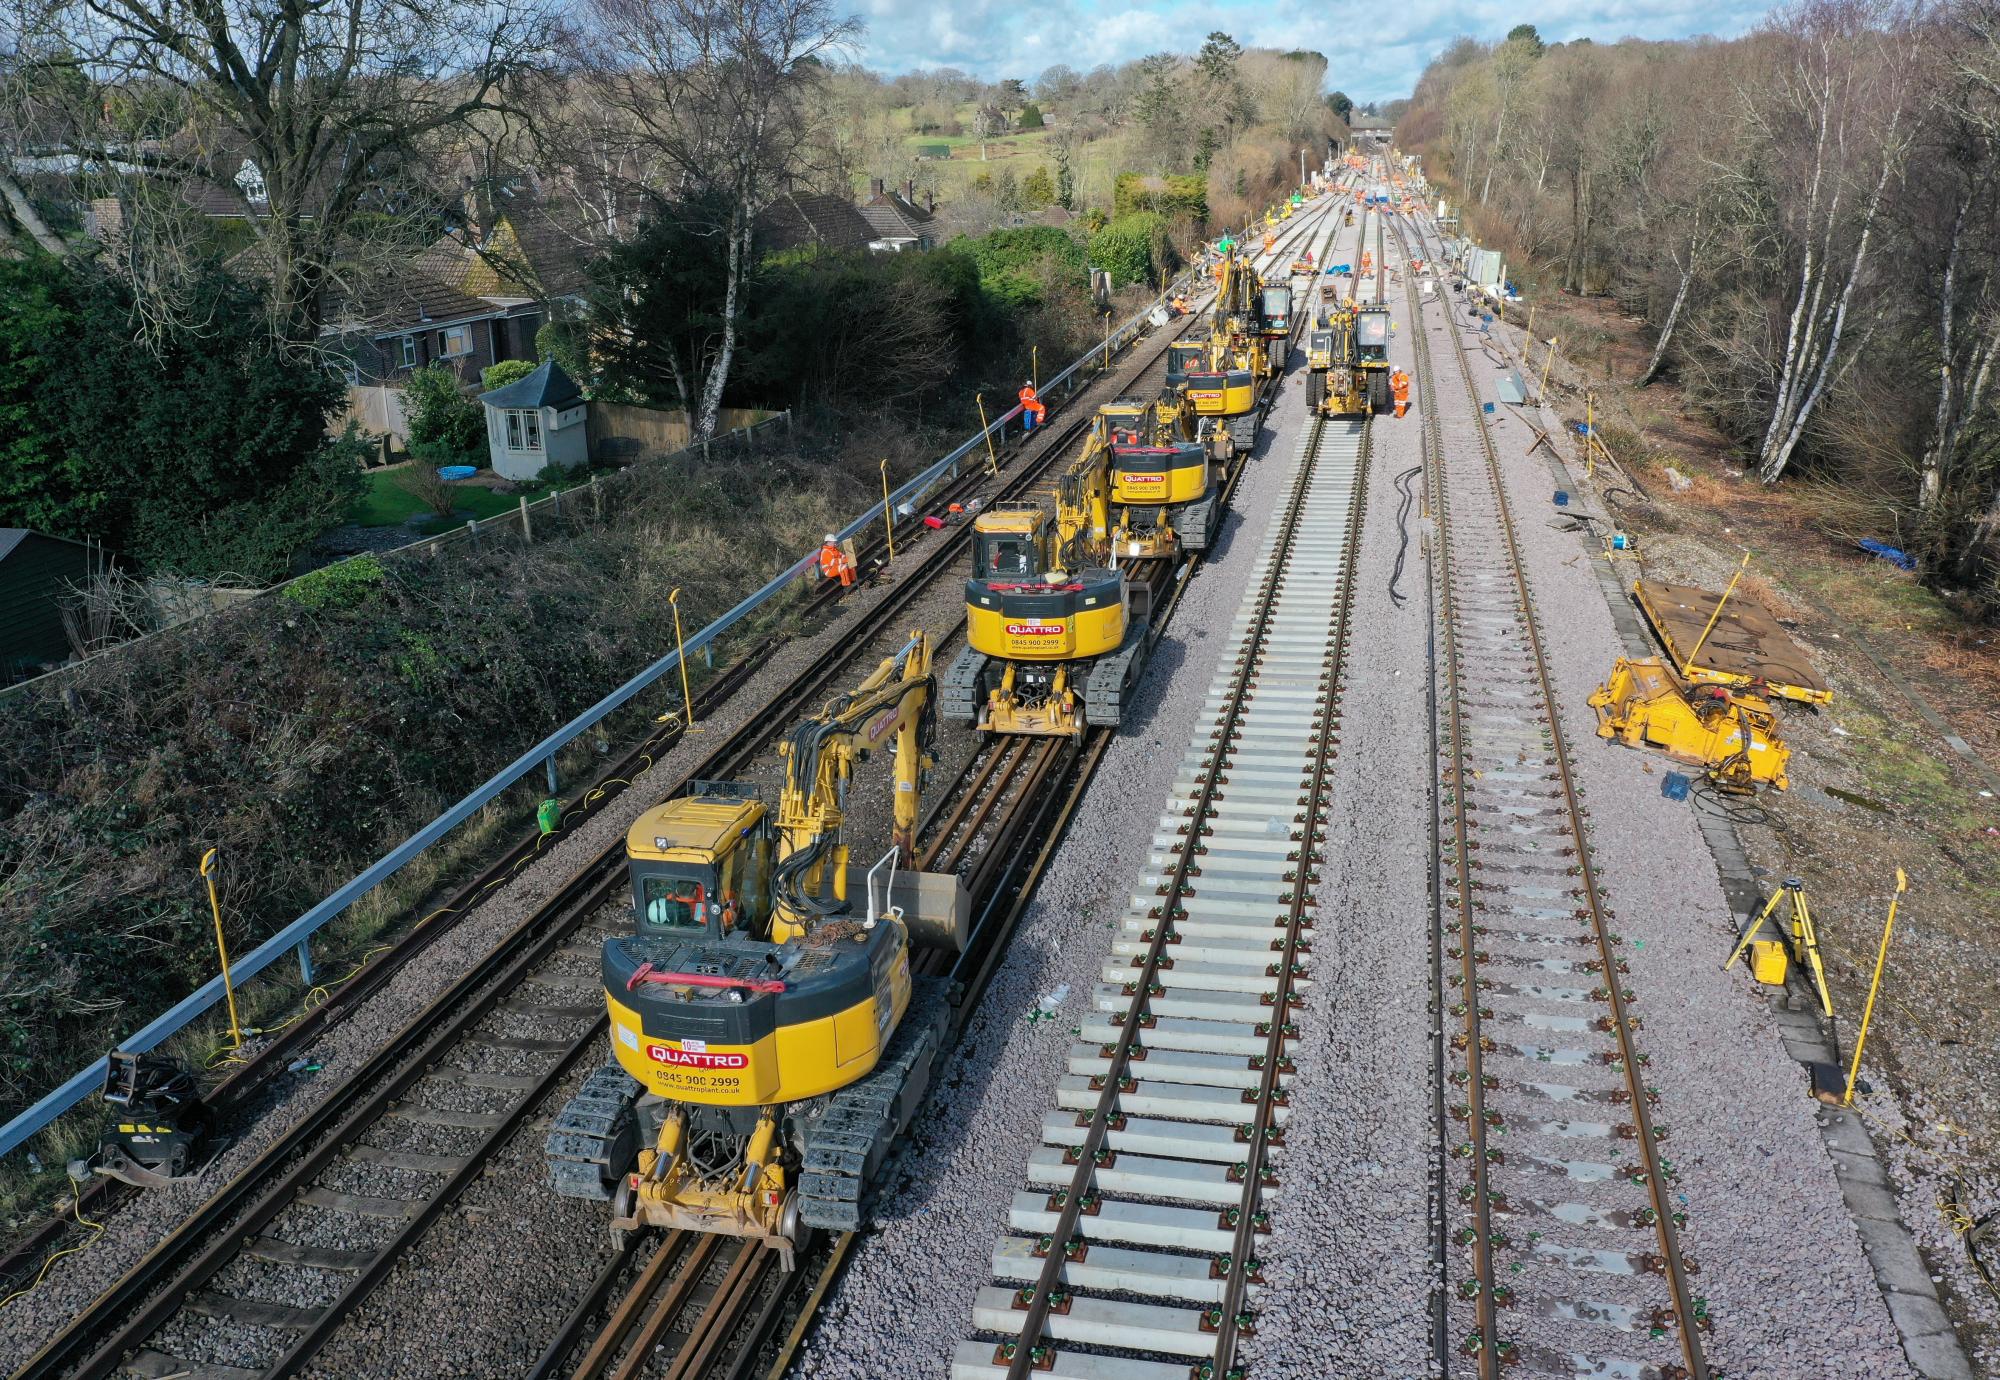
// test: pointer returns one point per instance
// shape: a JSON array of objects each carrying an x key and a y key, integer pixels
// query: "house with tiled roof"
[{"x": 898, "y": 221}]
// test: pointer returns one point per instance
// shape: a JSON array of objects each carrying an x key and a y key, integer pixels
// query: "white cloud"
[{"x": 992, "y": 39}]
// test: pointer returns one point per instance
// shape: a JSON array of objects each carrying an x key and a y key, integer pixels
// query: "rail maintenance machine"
[
  {"x": 1056, "y": 632},
  {"x": 1347, "y": 358},
  {"x": 1227, "y": 371},
  {"x": 770, "y": 1041}
]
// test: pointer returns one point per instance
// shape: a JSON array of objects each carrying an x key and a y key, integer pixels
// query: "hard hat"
[
  {"x": 1027, "y": 383},
  {"x": 832, "y": 540}
]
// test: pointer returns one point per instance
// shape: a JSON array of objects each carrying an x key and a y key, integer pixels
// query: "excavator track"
[
  {"x": 1111, "y": 676},
  {"x": 595, "y": 1138},
  {"x": 959, "y": 695},
  {"x": 1195, "y": 524},
  {"x": 847, "y": 1143}
]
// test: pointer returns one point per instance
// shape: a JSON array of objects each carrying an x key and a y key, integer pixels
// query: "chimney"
[
  {"x": 875, "y": 186},
  {"x": 910, "y": 190}
]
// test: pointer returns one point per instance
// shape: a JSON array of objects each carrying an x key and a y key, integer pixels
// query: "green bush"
[
  {"x": 443, "y": 417},
  {"x": 1171, "y": 195},
  {"x": 256, "y": 538},
  {"x": 1135, "y": 249},
  {"x": 333, "y": 588},
  {"x": 505, "y": 372},
  {"x": 1038, "y": 189},
  {"x": 1031, "y": 117}
]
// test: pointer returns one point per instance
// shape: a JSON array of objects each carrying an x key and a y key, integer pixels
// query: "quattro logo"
[
  {"x": 694, "y": 1059},
  {"x": 1034, "y": 630},
  {"x": 1139, "y": 477}
]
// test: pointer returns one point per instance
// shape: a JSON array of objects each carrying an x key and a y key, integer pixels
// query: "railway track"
[
  {"x": 535, "y": 1006},
  {"x": 997, "y": 827},
  {"x": 1159, "y": 1166},
  {"x": 1562, "y": 1230}
]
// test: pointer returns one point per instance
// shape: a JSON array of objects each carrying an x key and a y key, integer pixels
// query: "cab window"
[
  {"x": 673, "y": 903},
  {"x": 1009, "y": 556},
  {"x": 1372, "y": 328}
]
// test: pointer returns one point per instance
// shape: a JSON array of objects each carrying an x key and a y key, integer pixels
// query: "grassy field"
[
  {"x": 388, "y": 504},
  {"x": 1020, "y": 152}
]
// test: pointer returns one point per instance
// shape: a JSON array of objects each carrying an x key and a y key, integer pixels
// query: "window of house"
[
  {"x": 524, "y": 428},
  {"x": 409, "y": 352},
  {"x": 454, "y": 341}
]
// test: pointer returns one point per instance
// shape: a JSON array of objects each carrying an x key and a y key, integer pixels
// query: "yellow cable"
[{"x": 96, "y": 1229}]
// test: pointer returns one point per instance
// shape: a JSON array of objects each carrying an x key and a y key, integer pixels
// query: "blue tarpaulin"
[{"x": 1902, "y": 559}]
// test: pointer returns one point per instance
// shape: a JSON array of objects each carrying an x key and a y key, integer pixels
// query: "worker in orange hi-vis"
[
  {"x": 1032, "y": 411},
  {"x": 1399, "y": 384},
  {"x": 833, "y": 562}
]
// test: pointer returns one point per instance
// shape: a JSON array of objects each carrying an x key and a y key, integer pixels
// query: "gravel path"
[
  {"x": 1757, "y": 1184},
  {"x": 931, "y": 1254}
]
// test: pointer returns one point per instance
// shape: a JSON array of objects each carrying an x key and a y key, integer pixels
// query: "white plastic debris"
[{"x": 1680, "y": 481}]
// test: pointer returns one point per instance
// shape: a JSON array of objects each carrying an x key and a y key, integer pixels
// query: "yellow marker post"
[
  {"x": 1589, "y": 434},
  {"x": 1107, "y": 343},
  {"x": 1687, "y": 666},
  {"x": 888, "y": 516},
  {"x": 1868, "y": 1011},
  {"x": 1547, "y": 365},
  {"x": 1035, "y": 366},
  {"x": 1528, "y": 334},
  {"x": 680, "y": 650},
  {"x": 222, "y": 948},
  {"x": 986, "y": 430}
]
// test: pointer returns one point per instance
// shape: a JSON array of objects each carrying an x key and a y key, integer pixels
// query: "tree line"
[{"x": 1806, "y": 218}]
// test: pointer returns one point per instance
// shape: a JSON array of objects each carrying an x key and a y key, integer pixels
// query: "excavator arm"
[{"x": 894, "y": 706}]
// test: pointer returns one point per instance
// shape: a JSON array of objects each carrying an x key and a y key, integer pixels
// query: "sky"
[{"x": 993, "y": 39}]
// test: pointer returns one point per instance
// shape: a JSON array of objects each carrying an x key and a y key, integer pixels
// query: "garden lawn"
[{"x": 388, "y": 504}]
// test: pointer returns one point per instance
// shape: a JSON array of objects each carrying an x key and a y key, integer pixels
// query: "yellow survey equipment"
[
  {"x": 768, "y": 1038},
  {"x": 1733, "y": 733}
]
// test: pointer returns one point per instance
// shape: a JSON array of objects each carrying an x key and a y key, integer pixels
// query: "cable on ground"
[{"x": 1403, "y": 487}]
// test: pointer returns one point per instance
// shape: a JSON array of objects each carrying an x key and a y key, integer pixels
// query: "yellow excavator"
[
  {"x": 769, "y": 1041},
  {"x": 1225, "y": 371},
  {"x": 1347, "y": 360},
  {"x": 1055, "y": 632},
  {"x": 1166, "y": 463}
]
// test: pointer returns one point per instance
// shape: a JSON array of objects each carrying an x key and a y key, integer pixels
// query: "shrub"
[
  {"x": 442, "y": 416},
  {"x": 1038, "y": 189},
  {"x": 332, "y": 588},
  {"x": 1031, "y": 117},
  {"x": 1135, "y": 249},
  {"x": 507, "y": 371},
  {"x": 422, "y": 481}
]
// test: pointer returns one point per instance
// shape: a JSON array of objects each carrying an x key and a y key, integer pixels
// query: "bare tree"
[
  {"x": 1839, "y": 103},
  {"x": 309, "y": 113},
  {"x": 708, "y": 96}
]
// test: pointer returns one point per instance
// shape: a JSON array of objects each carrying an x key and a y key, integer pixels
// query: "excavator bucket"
[
  {"x": 1646, "y": 704},
  {"x": 936, "y": 906}
]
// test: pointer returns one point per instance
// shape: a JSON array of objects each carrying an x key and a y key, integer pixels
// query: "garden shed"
[
  {"x": 535, "y": 422},
  {"x": 35, "y": 569}
]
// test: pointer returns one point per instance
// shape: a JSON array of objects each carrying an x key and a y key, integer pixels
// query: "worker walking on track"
[
  {"x": 1032, "y": 411},
  {"x": 833, "y": 562},
  {"x": 1399, "y": 384}
]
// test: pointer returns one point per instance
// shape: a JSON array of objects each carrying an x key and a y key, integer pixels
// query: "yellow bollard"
[
  {"x": 222, "y": 948},
  {"x": 1868, "y": 1011},
  {"x": 986, "y": 430},
  {"x": 680, "y": 650},
  {"x": 888, "y": 517}
]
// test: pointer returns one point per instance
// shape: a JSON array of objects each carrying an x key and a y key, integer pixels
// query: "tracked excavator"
[
  {"x": 1055, "y": 632},
  {"x": 1166, "y": 474},
  {"x": 1225, "y": 371},
  {"x": 769, "y": 1041}
]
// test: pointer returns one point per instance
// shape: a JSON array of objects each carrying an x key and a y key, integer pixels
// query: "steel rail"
[
  {"x": 1685, "y": 1321},
  {"x": 1023, "y": 1356}
]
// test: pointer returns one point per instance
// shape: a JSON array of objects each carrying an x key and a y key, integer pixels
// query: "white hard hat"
[
  {"x": 1027, "y": 383},
  {"x": 831, "y": 539}
]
